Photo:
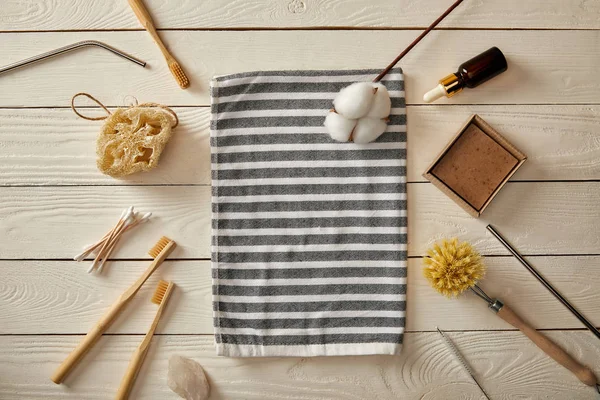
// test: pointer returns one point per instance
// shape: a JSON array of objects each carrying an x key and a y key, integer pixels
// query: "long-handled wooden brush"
[
  {"x": 161, "y": 296},
  {"x": 144, "y": 16},
  {"x": 453, "y": 268},
  {"x": 159, "y": 252}
]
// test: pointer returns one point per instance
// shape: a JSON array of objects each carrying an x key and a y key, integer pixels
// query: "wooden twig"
[{"x": 417, "y": 40}]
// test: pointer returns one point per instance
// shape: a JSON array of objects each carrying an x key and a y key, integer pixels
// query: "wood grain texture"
[
  {"x": 59, "y": 297},
  {"x": 544, "y": 66},
  {"x": 508, "y": 365},
  {"x": 55, "y": 147},
  {"x": 537, "y": 218},
  {"x": 114, "y": 14},
  {"x": 547, "y": 104},
  {"x": 561, "y": 142},
  {"x": 56, "y": 222},
  {"x": 60, "y": 220}
]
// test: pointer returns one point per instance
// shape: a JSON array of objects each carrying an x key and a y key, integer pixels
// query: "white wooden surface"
[{"x": 53, "y": 200}]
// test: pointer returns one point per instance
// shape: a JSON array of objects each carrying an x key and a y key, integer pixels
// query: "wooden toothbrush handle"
[
  {"x": 583, "y": 373},
  {"x": 132, "y": 371},
  {"x": 87, "y": 342},
  {"x": 102, "y": 325},
  {"x": 144, "y": 17},
  {"x": 140, "y": 353}
]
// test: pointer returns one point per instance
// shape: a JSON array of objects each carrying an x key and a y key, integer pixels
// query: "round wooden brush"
[{"x": 453, "y": 267}]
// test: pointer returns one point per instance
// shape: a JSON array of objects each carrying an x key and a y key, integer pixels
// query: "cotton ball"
[
  {"x": 354, "y": 101},
  {"x": 368, "y": 129},
  {"x": 339, "y": 128},
  {"x": 360, "y": 114},
  {"x": 382, "y": 105}
]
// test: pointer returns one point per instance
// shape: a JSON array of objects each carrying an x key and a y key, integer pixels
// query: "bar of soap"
[
  {"x": 475, "y": 166},
  {"x": 187, "y": 378}
]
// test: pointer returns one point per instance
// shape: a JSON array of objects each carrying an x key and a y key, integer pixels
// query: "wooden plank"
[
  {"x": 54, "y": 147},
  {"x": 537, "y": 218},
  {"x": 507, "y": 364},
  {"x": 56, "y": 222},
  {"x": 561, "y": 142},
  {"x": 114, "y": 14},
  {"x": 545, "y": 67},
  {"x": 58, "y": 297}
]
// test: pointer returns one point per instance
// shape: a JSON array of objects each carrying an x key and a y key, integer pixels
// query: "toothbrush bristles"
[
  {"x": 159, "y": 246},
  {"x": 179, "y": 75},
  {"x": 160, "y": 291}
]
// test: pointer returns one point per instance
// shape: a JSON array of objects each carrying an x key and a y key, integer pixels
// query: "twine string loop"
[{"x": 168, "y": 110}]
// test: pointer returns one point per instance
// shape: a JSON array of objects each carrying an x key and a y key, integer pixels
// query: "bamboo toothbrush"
[
  {"x": 144, "y": 16},
  {"x": 161, "y": 296},
  {"x": 453, "y": 268},
  {"x": 159, "y": 252}
]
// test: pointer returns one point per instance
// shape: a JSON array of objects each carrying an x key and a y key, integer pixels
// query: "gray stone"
[{"x": 187, "y": 378}]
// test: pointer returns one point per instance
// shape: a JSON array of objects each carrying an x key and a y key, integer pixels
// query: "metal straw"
[
  {"x": 548, "y": 286},
  {"x": 462, "y": 360},
  {"x": 68, "y": 48}
]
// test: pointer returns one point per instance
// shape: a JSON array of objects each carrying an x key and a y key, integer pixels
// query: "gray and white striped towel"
[{"x": 309, "y": 235}]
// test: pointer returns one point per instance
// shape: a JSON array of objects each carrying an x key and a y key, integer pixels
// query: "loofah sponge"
[
  {"x": 133, "y": 139},
  {"x": 360, "y": 113},
  {"x": 453, "y": 267}
]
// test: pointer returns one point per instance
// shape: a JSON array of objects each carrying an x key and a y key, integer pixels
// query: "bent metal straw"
[{"x": 65, "y": 49}]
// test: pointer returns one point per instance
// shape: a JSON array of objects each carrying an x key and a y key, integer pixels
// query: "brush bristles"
[
  {"x": 159, "y": 246},
  {"x": 453, "y": 267},
  {"x": 160, "y": 291},
  {"x": 179, "y": 75}
]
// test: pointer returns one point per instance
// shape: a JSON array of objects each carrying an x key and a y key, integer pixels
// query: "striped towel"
[{"x": 309, "y": 235}]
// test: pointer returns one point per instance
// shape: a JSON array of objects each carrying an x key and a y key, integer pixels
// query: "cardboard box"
[{"x": 474, "y": 166}]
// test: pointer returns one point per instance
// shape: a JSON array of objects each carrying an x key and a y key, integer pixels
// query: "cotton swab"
[
  {"x": 106, "y": 237},
  {"x": 115, "y": 232},
  {"x": 110, "y": 243},
  {"x": 130, "y": 223},
  {"x": 89, "y": 249},
  {"x": 104, "y": 247}
]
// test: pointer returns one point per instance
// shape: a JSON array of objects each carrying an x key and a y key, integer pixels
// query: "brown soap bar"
[{"x": 475, "y": 166}]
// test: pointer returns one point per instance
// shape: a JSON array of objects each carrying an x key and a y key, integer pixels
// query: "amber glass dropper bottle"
[{"x": 470, "y": 74}]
